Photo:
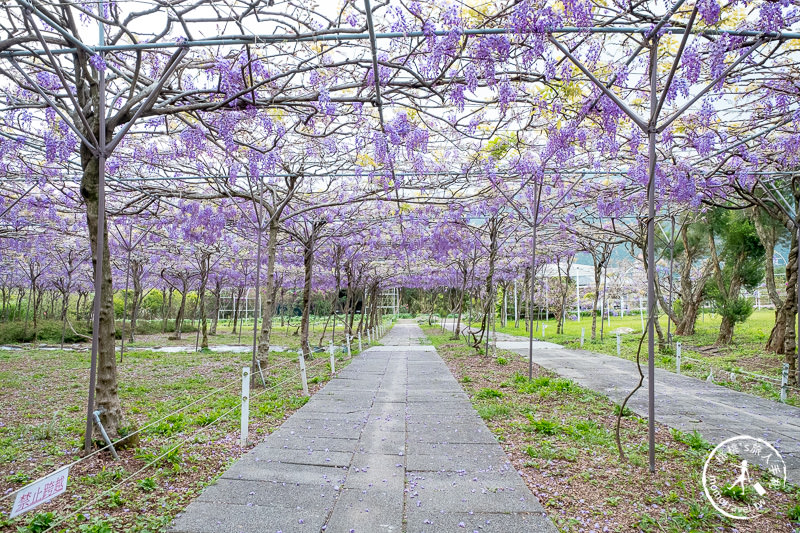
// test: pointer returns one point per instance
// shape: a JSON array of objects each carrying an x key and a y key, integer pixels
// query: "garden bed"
[{"x": 560, "y": 437}]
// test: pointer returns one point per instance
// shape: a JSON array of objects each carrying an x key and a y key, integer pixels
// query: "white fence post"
[
  {"x": 303, "y": 376},
  {"x": 641, "y": 312},
  {"x": 359, "y": 343},
  {"x": 784, "y": 381},
  {"x": 245, "y": 405},
  {"x": 333, "y": 361},
  {"x": 583, "y": 335},
  {"x": 347, "y": 339},
  {"x": 678, "y": 357},
  {"x": 543, "y": 328},
  {"x": 369, "y": 337}
]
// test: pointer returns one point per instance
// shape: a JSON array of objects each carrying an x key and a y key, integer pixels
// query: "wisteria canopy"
[{"x": 432, "y": 144}]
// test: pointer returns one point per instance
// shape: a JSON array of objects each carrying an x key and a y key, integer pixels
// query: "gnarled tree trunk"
[{"x": 106, "y": 395}]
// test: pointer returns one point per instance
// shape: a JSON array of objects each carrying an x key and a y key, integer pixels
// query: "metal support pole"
[
  {"x": 603, "y": 305},
  {"x": 651, "y": 256},
  {"x": 671, "y": 262},
  {"x": 546, "y": 297},
  {"x": 303, "y": 377},
  {"x": 261, "y": 373},
  {"x": 516, "y": 310},
  {"x": 360, "y": 349},
  {"x": 105, "y": 435},
  {"x": 784, "y": 381},
  {"x": 583, "y": 336},
  {"x": 333, "y": 360},
  {"x": 678, "y": 358},
  {"x": 578, "y": 296},
  {"x": 259, "y": 222},
  {"x": 505, "y": 307},
  {"x": 536, "y": 199},
  {"x": 619, "y": 344},
  {"x": 347, "y": 339},
  {"x": 245, "y": 419}
]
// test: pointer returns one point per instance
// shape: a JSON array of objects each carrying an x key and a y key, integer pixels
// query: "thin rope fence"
[
  {"x": 166, "y": 453},
  {"x": 736, "y": 372},
  {"x": 128, "y": 436},
  {"x": 216, "y": 391}
]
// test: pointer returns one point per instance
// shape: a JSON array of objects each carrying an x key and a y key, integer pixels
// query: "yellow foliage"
[
  {"x": 365, "y": 160},
  {"x": 476, "y": 12}
]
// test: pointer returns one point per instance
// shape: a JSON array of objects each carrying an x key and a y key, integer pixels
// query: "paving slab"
[{"x": 391, "y": 444}]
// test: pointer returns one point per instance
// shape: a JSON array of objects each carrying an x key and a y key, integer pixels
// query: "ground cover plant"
[
  {"x": 177, "y": 454},
  {"x": 560, "y": 437}
]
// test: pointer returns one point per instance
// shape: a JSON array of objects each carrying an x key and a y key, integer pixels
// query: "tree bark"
[
  {"x": 106, "y": 394},
  {"x": 215, "y": 312},
  {"x": 205, "y": 259},
  {"x": 308, "y": 265},
  {"x": 179, "y": 316},
  {"x": 768, "y": 236},
  {"x": 462, "y": 291},
  {"x": 269, "y": 289},
  {"x": 137, "y": 269}
]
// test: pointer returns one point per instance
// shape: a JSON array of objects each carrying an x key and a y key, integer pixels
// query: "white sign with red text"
[{"x": 40, "y": 492}]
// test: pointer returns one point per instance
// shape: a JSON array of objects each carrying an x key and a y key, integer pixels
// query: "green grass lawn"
[{"x": 745, "y": 354}]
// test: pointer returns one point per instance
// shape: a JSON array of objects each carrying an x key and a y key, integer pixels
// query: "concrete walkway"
[
  {"x": 392, "y": 444},
  {"x": 682, "y": 402}
]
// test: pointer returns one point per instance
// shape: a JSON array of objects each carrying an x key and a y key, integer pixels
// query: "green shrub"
[
  {"x": 693, "y": 440},
  {"x": 486, "y": 394},
  {"x": 625, "y": 412},
  {"x": 794, "y": 513},
  {"x": 170, "y": 425},
  {"x": 543, "y": 426},
  {"x": 48, "y": 331},
  {"x": 97, "y": 526},
  {"x": 502, "y": 360},
  {"x": 545, "y": 450},
  {"x": 519, "y": 378},
  {"x": 546, "y": 386},
  {"x": 488, "y": 412},
  {"x": 41, "y": 522},
  {"x": 147, "y": 484}
]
